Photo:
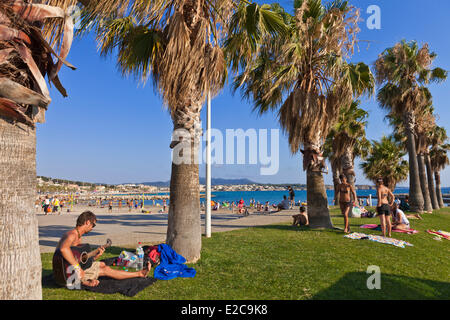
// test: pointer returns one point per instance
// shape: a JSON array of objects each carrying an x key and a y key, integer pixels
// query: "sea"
[{"x": 275, "y": 197}]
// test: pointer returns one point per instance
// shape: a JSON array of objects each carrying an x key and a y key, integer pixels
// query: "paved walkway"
[{"x": 128, "y": 228}]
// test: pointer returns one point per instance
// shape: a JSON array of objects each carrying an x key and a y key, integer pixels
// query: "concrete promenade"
[{"x": 128, "y": 228}]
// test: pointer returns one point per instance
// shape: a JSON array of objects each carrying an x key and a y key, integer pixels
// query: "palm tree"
[
  {"x": 348, "y": 137},
  {"x": 347, "y": 140},
  {"x": 439, "y": 159},
  {"x": 29, "y": 39},
  {"x": 385, "y": 160},
  {"x": 401, "y": 69},
  {"x": 179, "y": 45},
  {"x": 437, "y": 139},
  {"x": 330, "y": 153},
  {"x": 425, "y": 124},
  {"x": 309, "y": 68}
]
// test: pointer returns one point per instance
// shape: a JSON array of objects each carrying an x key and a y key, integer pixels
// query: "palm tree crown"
[
  {"x": 386, "y": 161},
  {"x": 308, "y": 66}
]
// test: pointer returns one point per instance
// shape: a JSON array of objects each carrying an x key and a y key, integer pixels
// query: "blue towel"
[{"x": 172, "y": 265}]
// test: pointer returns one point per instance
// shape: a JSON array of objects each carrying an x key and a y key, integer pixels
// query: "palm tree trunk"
[
  {"x": 20, "y": 261},
  {"x": 437, "y": 177},
  {"x": 416, "y": 200},
  {"x": 316, "y": 195},
  {"x": 424, "y": 184},
  {"x": 348, "y": 167},
  {"x": 184, "y": 224},
  {"x": 334, "y": 169},
  {"x": 430, "y": 179}
]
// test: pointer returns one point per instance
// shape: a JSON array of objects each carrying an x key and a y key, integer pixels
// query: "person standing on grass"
[
  {"x": 384, "y": 207},
  {"x": 345, "y": 192}
]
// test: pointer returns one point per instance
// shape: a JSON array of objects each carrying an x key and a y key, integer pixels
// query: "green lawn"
[{"x": 284, "y": 262}]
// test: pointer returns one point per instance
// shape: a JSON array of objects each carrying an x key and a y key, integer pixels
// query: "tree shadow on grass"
[
  {"x": 289, "y": 227},
  {"x": 393, "y": 287}
]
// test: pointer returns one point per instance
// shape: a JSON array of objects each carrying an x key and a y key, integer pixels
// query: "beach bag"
[
  {"x": 151, "y": 255},
  {"x": 49, "y": 209},
  {"x": 127, "y": 259},
  {"x": 355, "y": 212}
]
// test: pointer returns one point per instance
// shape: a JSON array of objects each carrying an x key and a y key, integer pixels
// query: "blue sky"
[{"x": 114, "y": 130}]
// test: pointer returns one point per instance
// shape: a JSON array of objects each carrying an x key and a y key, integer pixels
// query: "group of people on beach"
[
  {"x": 53, "y": 204},
  {"x": 256, "y": 206},
  {"x": 130, "y": 203},
  {"x": 388, "y": 207},
  {"x": 56, "y": 203}
]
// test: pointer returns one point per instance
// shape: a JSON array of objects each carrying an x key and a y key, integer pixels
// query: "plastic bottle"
[{"x": 140, "y": 257}]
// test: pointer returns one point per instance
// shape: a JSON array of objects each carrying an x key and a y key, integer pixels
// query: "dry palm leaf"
[{"x": 26, "y": 56}]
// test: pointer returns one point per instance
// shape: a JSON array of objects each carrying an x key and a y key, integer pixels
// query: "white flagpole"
[{"x": 208, "y": 168}]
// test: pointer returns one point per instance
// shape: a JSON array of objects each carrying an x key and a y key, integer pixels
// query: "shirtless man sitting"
[
  {"x": 301, "y": 219},
  {"x": 89, "y": 277}
]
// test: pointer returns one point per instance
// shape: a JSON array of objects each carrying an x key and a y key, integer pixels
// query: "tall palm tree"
[
  {"x": 401, "y": 70},
  {"x": 437, "y": 140},
  {"x": 349, "y": 134},
  {"x": 385, "y": 160},
  {"x": 31, "y": 36},
  {"x": 179, "y": 45},
  {"x": 439, "y": 159},
  {"x": 330, "y": 153},
  {"x": 347, "y": 140},
  {"x": 425, "y": 125},
  {"x": 308, "y": 67}
]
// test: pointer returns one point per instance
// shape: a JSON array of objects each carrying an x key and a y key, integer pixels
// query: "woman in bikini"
[
  {"x": 345, "y": 201},
  {"x": 384, "y": 207}
]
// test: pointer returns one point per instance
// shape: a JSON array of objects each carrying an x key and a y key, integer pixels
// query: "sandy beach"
[{"x": 126, "y": 228}]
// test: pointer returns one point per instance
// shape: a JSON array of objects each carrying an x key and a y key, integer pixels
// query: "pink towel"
[
  {"x": 410, "y": 231},
  {"x": 376, "y": 226},
  {"x": 369, "y": 226}
]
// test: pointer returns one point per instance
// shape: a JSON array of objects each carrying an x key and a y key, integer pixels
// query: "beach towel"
[
  {"x": 127, "y": 287},
  {"x": 380, "y": 239},
  {"x": 443, "y": 234},
  {"x": 172, "y": 265},
  {"x": 378, "y": 227}
]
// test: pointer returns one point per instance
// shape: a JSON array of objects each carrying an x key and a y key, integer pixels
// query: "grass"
[{"x": 280, "y": 262}]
